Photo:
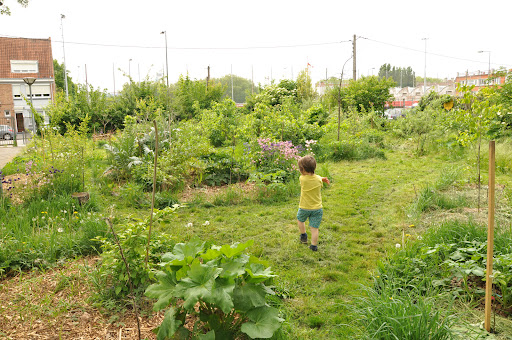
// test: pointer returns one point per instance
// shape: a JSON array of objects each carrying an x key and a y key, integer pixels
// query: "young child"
[{"x": 310, "y": 205}]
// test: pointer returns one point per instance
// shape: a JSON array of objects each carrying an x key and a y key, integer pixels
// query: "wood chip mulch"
[{"x": 55, "y": 305}]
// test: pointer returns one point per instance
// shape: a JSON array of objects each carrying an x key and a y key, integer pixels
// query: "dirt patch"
[
  {"x": 54, "y": 305},
  {"x": 209, "y": 193}
]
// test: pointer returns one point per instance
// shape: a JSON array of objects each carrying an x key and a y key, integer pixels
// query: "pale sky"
[{"x": 223, "y": 34}]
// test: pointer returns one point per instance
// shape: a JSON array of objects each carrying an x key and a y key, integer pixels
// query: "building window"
[
  {"x": 24, "y": 66},
  {"x": 7, "y": 113}
]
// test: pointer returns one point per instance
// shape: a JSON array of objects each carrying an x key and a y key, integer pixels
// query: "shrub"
[
  {"x": 276, "y": 157},
  {"x": 111, "y": 278},
  {"x": 353, "y": 151},
  {"x": 221, "y": 168},
  {"x": 223, "y": 292}
]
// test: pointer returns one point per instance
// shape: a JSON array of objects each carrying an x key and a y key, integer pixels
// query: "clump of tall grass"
[{"x": 389, "y": 312}]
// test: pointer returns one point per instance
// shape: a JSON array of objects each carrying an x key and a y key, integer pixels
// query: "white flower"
[
  {"x": 398, "y": 245},
  {"x": 206, "y": 223},
  {"x": 420, "y": 238},
  {"x": 190, "y": 224},
  {"x": 60, "y": 230}
]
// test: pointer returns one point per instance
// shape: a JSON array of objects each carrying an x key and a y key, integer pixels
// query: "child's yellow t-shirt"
[{"x": 310, "y": 192}]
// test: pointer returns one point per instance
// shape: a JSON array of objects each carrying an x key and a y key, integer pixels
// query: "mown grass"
[{"x": 364, "y": 215}]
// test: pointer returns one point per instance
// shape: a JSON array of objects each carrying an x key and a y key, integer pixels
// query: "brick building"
[
  {"x": 479, "y": 79},
  {"x": 25, "y": 58}
]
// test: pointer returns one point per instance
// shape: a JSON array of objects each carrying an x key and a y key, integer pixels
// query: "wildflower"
[
  {"x": 420, "y": 238},
  {"x": 206, "y": 223},
  {"x": 74, "y": 212},
  {"x": 60, "y": 230},
  {"x": 391, "y": 298},
  {"x": 190, "y": 224},
  {"x": 408, "y": 235},
  {"x": 412, "y": 226},
  {"x": 398, "y": 245}
]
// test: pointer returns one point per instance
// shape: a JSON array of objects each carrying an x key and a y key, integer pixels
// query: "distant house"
[
  {"x": 479, "y": 79},
  {"x": 410, "y": 96},
  {"x": 20, "y": 59}
]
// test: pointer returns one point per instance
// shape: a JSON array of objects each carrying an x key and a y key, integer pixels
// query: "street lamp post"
[
  {"x": 489, "y": 74},
  {"x": 425, "y": 71},
  {"x": 130, "y": 69},
  {"x": 29, "y": 81},
  {"x": 166, "y": 60},
  {"x": 62, "y": 16}
]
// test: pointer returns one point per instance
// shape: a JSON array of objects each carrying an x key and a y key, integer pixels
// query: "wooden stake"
[
  {"x": 153, "y": 196},
  {"x": 490, "y": 238}
]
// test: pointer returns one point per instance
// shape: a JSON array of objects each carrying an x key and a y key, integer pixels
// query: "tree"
[
  {"x": 190, "y": 96},
  {"x": 241, "y": 87},
  {"x": 58, "y": 69},
  {"x": 4, "y": 9},
  {"x": 402, "y": 76},
  {"x": 367, "y": 93},
  {"x": 304, "y": 86},
  {"x": 477, "y": 115}
]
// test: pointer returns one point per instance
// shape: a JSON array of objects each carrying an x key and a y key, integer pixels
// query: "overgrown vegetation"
[{"x": 409, "y": 182}]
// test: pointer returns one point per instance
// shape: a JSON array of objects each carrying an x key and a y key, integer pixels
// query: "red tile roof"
[{"x": 26, "y": 49}]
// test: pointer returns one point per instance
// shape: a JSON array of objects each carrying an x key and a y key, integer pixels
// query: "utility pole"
[
  {"x": 208, "y": 78},
  {"x": 232, "y": 96},
  {"x": 114, "y": 77},
  {"x": 252, "y": 79},
  {"x": 354, "y": 75},
  {"x": 62, "y": 16},
  {"x": 425, "y": 71}
]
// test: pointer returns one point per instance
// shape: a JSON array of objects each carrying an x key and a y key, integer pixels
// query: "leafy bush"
[
  {"x": 111, "y": 278},
  {"x": 223, "y": 292},
  {"x": 221, "y": 168}
]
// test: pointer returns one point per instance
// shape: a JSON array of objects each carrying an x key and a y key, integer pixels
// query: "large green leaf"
[
  {"x": 222, "y": 294},
  {"x": 234, "y": 267},
  {"x": 208, "y": 336},
  {"x": 198, "y": 284},
  {"x": 184, "y": 252},
  {"x": 264, "y": 321},
  {"x": 235, "y": 249},
  {"x": 163, "y": 290},
  {"x": 249, "y": 296},
  {"x": 169, "y": 325},
  {"x": 211, "y": 254},
  {"x": 258, "y": 273}
]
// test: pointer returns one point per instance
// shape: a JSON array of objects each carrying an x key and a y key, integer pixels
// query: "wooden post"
[{"x": 490, "y": 238}]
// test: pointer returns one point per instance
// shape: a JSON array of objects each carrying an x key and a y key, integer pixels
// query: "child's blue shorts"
[{"x": 315, "y": 216}]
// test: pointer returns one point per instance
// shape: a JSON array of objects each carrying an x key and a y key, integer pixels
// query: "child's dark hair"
[{"x": 307, "y": 164}]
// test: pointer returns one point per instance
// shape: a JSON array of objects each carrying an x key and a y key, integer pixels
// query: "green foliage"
[
  {"x": 111, "y": 277},
  {"x": 305, "y": 89},
  {"x": 366, "y": 94},
  {"x": 224, "y": 289},
  {"x": 352, "y": 150},
  {"x": 58, "y": 70},
  {"x": 221, "y": 168},
  {"x": 241, "y": 87},
  {"x": 190, "y": 96},
  {"x": 402, "y": 76},
  {"x": 388, "y": 312}
]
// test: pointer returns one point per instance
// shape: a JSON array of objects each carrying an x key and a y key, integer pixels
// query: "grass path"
[{"x": 364, "y": 215}]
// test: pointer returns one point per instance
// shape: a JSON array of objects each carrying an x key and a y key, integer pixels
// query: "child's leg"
[
  {"x": 302, "y": 227},
  {"x": 314, "y": 236}
]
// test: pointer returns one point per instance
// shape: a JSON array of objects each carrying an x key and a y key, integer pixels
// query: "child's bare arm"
[{"x": 326, "y": 180}]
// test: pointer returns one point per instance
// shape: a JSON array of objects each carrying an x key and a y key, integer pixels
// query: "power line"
[
  {"x": 198, "y": 48},
  {"x": 434, "y": 54}
]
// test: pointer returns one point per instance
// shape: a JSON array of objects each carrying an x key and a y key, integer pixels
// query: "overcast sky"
[{"x": 105, "y": 35}]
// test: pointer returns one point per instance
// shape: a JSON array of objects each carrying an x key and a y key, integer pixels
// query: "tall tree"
[
  {"x": 401, "y": 75},
  {"x": 304, "y": 86},
  {"x": 58, "y": 69},
  {"x": 241, "y": 87}
]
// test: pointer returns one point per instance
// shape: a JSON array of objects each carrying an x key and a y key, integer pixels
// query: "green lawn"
[{"x": 364, "y": 215}]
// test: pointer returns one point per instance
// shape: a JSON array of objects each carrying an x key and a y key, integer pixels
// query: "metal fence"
[{"x": 13, "y": 132}]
